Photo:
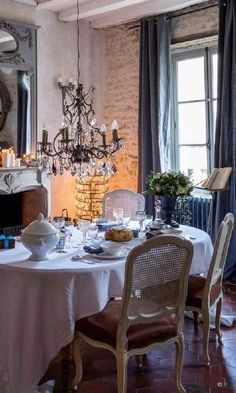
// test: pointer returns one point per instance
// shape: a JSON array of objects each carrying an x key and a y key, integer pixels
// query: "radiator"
[{"x": 197, "y": 215}]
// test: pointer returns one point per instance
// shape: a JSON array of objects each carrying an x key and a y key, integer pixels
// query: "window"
[{"x": 194, "y": 111}]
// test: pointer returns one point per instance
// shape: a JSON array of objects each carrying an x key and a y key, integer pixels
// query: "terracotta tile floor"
[{"x": 157, "y": 374}]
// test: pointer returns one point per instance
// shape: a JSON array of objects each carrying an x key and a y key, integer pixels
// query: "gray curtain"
[
  {"x": 154, "y": 99},
  {"x": 225, "y": 139}
]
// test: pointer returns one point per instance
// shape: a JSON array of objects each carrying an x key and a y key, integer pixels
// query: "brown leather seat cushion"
[
  {"x": 196, "y": 286},
  {"x": 103, "y": 326}
]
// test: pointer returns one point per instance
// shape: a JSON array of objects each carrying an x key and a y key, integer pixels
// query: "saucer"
[{"x": 106, "y": 255}]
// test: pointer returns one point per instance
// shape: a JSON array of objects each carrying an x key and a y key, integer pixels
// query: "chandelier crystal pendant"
[{"x": 80, "y": 146}]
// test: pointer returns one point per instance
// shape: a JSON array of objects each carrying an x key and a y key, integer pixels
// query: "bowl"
[{"x": 111, "y": 247}]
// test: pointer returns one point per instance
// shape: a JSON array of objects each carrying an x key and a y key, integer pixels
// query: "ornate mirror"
[
  {"x": 5, "y": 104},
  {"x": 18, "y": 86},
  {"x": 8, "y": 44}
]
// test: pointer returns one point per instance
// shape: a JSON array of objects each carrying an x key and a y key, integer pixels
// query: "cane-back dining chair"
[
  {"x": 206, "y": 292},
  {"x": 150, "y": 314},
  {"x": 128, "y": 200}
]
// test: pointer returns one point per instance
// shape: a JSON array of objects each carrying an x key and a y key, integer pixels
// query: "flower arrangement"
[{"x": 171, "y": 184}]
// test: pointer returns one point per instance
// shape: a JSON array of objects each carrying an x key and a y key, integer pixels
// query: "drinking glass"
[
  {"x": 118, "y": 213},
  {"x": 93, "y": 231},
  {"x": 140, "y": 217},
  {"x": 58, "y": 222},
  {"x": 148, "y": 221},
  {"x": 69, "y": 227},
  {"x": 126, "y": 220},
  {"x": 84, "y": 226}
]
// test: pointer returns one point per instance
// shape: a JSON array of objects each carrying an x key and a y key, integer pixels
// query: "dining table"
[{"x": 40, "y": 301}]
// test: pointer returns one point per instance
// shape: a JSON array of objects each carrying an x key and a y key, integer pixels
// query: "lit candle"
[
  {"x": 114, "y": 128},
  {"x": 59, "y": 80},
  {"x": 103, "y": 131},
  {"x": 5, "y": 158},
  {"x": 12, "y": 157}
]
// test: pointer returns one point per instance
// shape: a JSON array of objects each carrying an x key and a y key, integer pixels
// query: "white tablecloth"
[{"x": 40, "y": 302}]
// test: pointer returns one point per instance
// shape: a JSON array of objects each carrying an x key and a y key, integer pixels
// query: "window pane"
[
  {"x": 214, "y": 116},
  {"x": 190, "y": 79},
  {"x": 192, "y": 123},
  {"x": 193, "y": 162},
  {"x": 214, "y": 75}
]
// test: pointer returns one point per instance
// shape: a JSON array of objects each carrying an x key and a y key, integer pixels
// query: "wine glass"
[
  {"x": 126, "y": 220},
  {"x": 93, "y": 231},
  {"x": 118, "y": 213},
  {"x": 140, "y": 216},
  {"x": 84, "y": 226},
  {"x": 69, "y": 227}
]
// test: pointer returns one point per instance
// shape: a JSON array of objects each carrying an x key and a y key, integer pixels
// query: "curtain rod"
[{"x": 176, "y": 14}]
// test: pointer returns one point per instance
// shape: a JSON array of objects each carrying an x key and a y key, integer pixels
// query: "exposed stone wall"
[
  {"x": 121, "y": 50},
  {"x": 121, "y": 83}
]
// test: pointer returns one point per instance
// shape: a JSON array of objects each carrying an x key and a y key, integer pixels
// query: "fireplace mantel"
[{"x": 14, "y": 180}]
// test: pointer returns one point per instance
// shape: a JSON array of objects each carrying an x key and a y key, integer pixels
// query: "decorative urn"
[{"x": 40, "y": 237}]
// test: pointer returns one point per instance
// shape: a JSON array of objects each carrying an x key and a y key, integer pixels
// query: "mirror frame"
[
  {"x": 5, "y": 104},
  {"x": 24, "y": 59}
]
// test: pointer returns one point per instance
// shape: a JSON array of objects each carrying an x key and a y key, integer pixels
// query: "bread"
[{"x": 118, "y": 234}]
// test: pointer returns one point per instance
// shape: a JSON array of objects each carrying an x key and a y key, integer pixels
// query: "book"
[{"x": 218, "y": 179}]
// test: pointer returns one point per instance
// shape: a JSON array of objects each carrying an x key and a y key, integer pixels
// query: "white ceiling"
[{"x": 103, "y": 13}]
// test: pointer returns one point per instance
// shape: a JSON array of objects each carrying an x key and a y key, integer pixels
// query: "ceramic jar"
[{"x": 40, "y": 237}]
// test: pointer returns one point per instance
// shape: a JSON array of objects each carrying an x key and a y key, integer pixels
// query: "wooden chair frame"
[
  {"x": 174, "y": 308},
  {"x": 214, "y": 275},
  {"x": 134, "y": 199}
]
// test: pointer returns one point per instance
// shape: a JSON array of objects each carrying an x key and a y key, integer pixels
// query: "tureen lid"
[{"x": 40, "y": 227}]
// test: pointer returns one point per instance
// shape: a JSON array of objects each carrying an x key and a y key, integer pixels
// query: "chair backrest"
[
  {"x": 216, "y": 269},
  {"x": 156, "y": 280},
  {"x": 129, "y": 200}
]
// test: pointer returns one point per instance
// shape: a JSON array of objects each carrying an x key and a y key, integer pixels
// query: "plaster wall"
[
  {"x": 57, "y": 57},
  {"x": 121, "y": 83}
]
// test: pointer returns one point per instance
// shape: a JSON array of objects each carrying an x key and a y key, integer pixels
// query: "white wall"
[{"x": 57, "y": 56}]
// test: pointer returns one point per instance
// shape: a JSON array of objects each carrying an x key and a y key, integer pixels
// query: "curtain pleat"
[
  {"x": 225, "y": 134},
  {"x": 154, "y": 100}
]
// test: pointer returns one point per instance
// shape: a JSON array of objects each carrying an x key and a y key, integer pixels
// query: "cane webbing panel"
[{"x": 156, "y": 279}]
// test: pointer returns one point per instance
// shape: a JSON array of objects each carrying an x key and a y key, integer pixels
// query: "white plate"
[
  {"x": 171, "y": 231},
  {"x": 105, "y": 255}
]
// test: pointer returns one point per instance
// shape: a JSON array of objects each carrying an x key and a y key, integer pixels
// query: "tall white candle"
[
  {"x": 5, "y": 158},
  {"x": 18, "y": 160},
  {"x": 12, "y": 159}
]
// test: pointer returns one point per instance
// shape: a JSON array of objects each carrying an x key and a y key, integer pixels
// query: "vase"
[{"x": 167, "y": 210}]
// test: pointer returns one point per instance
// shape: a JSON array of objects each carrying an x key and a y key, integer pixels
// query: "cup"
[{"x": 92, "y": 231}]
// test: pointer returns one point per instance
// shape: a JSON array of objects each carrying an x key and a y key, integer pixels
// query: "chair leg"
[
  {"x": 78, "y": 362},
  {"x": 206, "y": 331},
  {"x": 122, "y": 362},
  {"x": 179, "y": 362},
  {"x": 217, "y": 321}
]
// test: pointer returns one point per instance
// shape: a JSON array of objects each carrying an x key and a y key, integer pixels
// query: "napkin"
[
  {"x": 106, "y": 225},
  {"x": 152, "y": 233},
  {"x": 93, "y": 249}
]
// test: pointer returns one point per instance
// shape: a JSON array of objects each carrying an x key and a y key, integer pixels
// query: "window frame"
[{"x": 207, "y": 51}]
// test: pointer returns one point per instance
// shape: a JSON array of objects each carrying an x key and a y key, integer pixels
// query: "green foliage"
[{"x": 169, "y": 184}]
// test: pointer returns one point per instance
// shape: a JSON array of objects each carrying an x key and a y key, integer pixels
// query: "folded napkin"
[
  {"x": 152, "y": 233},
  {"x": 93, "y": 249},
  {"x": 106, "y": 225}
]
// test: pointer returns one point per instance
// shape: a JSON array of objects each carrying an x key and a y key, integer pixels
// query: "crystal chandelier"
[{"x": 80, "y": 146}]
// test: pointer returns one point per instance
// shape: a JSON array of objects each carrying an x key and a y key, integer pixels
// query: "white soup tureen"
[{"x": 40, "y": 237}]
